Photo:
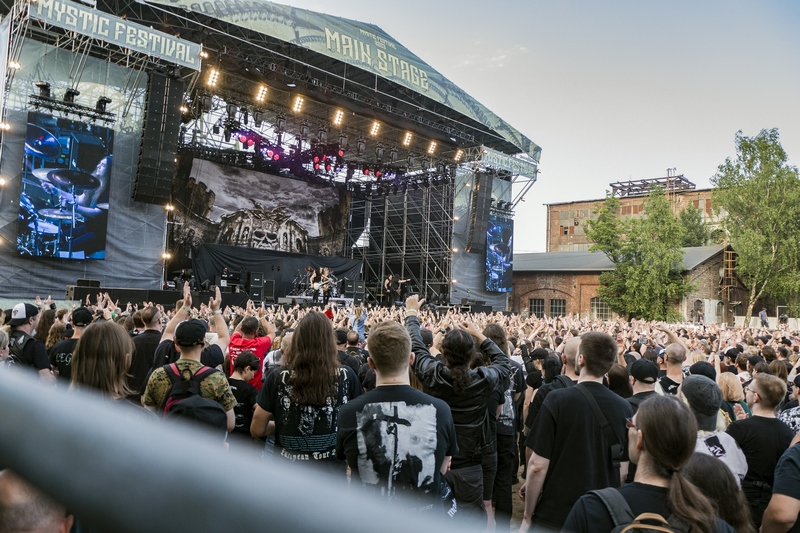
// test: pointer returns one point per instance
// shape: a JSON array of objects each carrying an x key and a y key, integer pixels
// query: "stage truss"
[{"x": 409, "y": 235}]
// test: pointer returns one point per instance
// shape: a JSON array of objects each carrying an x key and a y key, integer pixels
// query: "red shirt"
[{"x": 258, "y": 345}]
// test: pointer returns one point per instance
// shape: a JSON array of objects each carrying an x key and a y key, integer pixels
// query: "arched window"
[{"x": 599, "y": 309}]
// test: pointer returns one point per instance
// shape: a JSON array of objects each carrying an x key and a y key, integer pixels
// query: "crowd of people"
[{"x": 687, "y": 427}]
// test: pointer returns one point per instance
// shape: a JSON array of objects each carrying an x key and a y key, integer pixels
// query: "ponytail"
[{"x": 689, "y": 505}]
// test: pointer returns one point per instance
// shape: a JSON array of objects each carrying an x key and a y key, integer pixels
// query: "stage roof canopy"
[{"x": 330, "y": 52}]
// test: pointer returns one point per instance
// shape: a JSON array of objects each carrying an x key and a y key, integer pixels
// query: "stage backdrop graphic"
[
  {"x": 499, "y": 253},
  {"x": 225, "y": 205},
  {"x": 66, "y": 178}
]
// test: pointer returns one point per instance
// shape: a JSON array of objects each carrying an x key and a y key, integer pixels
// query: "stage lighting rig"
[
  {"x": 459, "y": 155},
  {"x": 361, "y": 146},
  {"x": 261, "y": 95},
  {"x": 258, "y": 118},
  {"x": 432, "y": 148},
  {"x": 280, "y": 124},
  {"x": 407, "y": 139},
  {"x": 213, "y": 77},
  {"x": 102, "y": 102},
  {"x": 342, "y": 142},
  {"x": 44, "y": 89},
  {"x": 70, "y": 94},
  {"x": 393, "y": 155},
  {"x": 231, "y": 109},
  {"x": 376, "y": 127},
  {"x": 322, "y": 135},
  {"x": 379, "y": 151},
  {"x": 338, "y": 117}
]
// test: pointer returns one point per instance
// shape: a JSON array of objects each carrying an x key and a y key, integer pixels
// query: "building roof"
[
  {"x": 597, "y": 261},
  {"x": 626, "y": 197}
]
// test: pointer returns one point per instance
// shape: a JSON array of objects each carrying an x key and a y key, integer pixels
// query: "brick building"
[
  {"x": 566, "y": 222},
  {"x": 558, "y": 283}
]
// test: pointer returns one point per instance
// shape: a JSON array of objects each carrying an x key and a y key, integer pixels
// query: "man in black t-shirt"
[
  {"x": 396, "y": 439},
  {"x": 644, "y": 375},
  {"x": 61, "y": 352},
  {"x": 354, "y": 349},
  {"x": 145, "y": 343},
  {"x": 763, "y": 439},
  {"x": 506, "y": 447},
  {"x": 571, "y": 455},
  {"x": 345, "y": 358},
  {"x": 783, "y": 511},
  {"x": 24, "y": 350}
]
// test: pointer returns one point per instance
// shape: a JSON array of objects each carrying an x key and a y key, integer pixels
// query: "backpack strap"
[
  {"x": 608, "y": 433},
  {"x": 660, "y": 525},
  {"x": 616, "y": 505}
]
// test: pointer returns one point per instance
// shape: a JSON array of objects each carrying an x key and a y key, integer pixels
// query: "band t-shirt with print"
[
  {"x": 395, "y": 439},
  {"x": 305, "y": 433}
]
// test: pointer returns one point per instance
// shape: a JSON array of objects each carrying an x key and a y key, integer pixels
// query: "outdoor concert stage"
[{"x": 142, "y": 141}]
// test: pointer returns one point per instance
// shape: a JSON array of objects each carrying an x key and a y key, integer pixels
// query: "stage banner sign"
[
  {"x": 115, "y": 30},
  {"x": 509, "y": 163},
  {"x": 362, "y": 45}
]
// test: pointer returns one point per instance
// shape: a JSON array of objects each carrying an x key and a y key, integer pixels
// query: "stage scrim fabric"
[{"x": 210, "y": 259}]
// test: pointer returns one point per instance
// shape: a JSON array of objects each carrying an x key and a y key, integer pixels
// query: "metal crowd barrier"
[{"x": 123, "y": 474}]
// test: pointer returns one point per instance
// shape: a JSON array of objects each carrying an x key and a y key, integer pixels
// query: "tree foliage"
[
  {"x": 759, "y": 193},
  {"x": 695, "y": 231},
  {"x": 647, "y": 256}
]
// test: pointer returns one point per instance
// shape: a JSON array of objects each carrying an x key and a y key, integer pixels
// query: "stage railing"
[{"x": 129, "y": 474}]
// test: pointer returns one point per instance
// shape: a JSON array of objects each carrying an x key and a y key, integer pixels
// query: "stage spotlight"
[
  {"x": 102, "y": 102},
  {"x": 245, "y": 116},
  {"x": 322, "y": 136},
  {"x": 169, "y": 207},
  {"x": 203, "y": 54},
  {"x": 432, "y": 148},
  {"x": 376, "y": 126},
  {"x": 213, "y": 77},
  {"x": 206, "y": 102},
  {"x": 2, "y": 182},
  {"x": 342, "y": 143},
  {"x": 379, "y": 150},
  {"x": 304, "y": 131},
  {"x": 258, "y": 118},
  {"x": 14, "y": 65},
  {"x": 231, "y": 110},
  {"x": 365, "y": 171},
  {"x": 215, "y": 129},
  {"x": 338, "y": 117},
  {"x": 361, "y": 146},
  {"x": 298, "y": 104},
  {"x": 280, "y": 124},
  {"x": 44, "y": 89},
  {"x": 70, "y": 94},
  {"x": 459, "y": 155},
  {"x": 378, "y": 173},
  {"x": 410, "y": 160},
  {"x": 166, "y": 256},
  {"x": 328, "y": 166},
  {"x": 261, "y": 95},
  {"x": 227, "y": 132},
  {"x": 407, "y": 139},
  {"x": 392, "y": 155},
  {"x": 183, "y": 109}
]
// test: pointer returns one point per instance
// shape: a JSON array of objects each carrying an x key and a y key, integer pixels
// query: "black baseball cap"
[
  {"x": 191, "y": 332},
  {"x": 644, "y": 370},
  {"x": 341, "y": 336},
  {"x": 81, "y": 317}
]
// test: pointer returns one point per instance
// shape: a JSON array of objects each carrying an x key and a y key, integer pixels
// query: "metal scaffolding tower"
[{"x": 409, "y": 235}]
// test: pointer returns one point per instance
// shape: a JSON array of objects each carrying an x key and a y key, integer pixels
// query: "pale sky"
[{"x": 611, "y": 90}]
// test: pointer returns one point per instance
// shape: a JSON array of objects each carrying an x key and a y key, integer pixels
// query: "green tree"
[
  {"x": 759, "y": 193},
  {"x": 647, "y": 256},
  {"x": 695, "y": 232}
]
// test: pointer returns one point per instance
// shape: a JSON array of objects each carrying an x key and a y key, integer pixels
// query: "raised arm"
[{"x": 180, "y": 314}]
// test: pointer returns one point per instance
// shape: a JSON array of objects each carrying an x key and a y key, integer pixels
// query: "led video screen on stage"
[
  {"x": 221, "y": 204},
  {"x": 63, "y": 203},
  {"x": 499, "y": 254}
]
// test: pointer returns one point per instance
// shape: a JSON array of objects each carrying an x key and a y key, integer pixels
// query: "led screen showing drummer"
[
  {"x": 499, "y": 254},
  {"x": 63, "y": 206}
]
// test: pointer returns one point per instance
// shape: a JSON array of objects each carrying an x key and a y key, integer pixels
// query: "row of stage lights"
[{"x": 337, "y": 119}]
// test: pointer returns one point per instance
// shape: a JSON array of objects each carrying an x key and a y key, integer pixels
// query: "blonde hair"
[
  {"x": 731, "y": 387},
  {"x": 55, "y": 334},
  {"x": 698, "y": 357}
]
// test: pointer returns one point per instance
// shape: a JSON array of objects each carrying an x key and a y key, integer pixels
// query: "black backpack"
[
  {"x": 623, "y": 518},
  {"x": 182, "y": 386},
  {"x": 16, "y": 344}
]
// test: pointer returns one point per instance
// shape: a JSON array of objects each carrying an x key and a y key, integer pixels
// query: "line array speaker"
[{"x": 160, "y": 131}]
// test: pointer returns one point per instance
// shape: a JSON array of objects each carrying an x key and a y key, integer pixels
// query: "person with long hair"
[
  {"x": 46, "y": 320},
  {"x": 506, "y": 431},
  {"x": 661, "y": 439},
  {"x": 101, "y": 359},
  {"x": 732, "y": 391},
  {"x": 56, "y": 334},
  {"x": 467, "y": 392},
  {"x": 299, "y": 403},
  {"x": 717, "y": 483}
]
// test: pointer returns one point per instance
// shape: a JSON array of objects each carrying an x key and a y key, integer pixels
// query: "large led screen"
[
  {"x": 66, "y": 175},
  {"x": 499, "y": 254}
]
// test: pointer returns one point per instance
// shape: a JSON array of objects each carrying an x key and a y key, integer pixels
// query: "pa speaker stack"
[
  {"x": 255, "y": 286},
  {"x": 160, "y": 132},
  {"x": 355, "y": 290}
]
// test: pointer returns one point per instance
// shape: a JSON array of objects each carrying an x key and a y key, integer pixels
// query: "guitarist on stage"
[{"x": 392, "y": 287}]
